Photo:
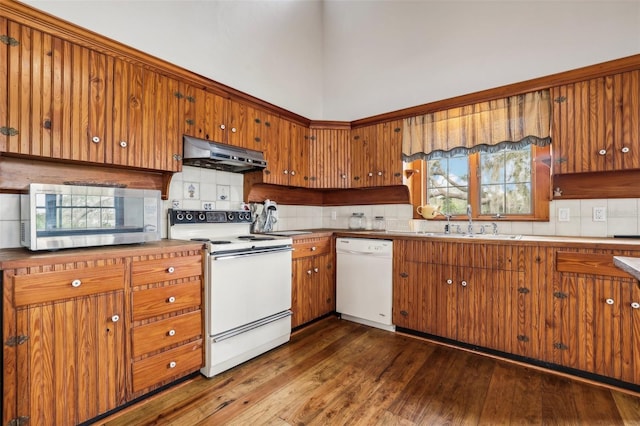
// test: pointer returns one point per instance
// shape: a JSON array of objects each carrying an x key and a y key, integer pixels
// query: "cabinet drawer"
[
  {"x": 58, "y": 285},
  {"x": 157, "y": 335},
  {"x": 163, "y": 300},
  {"x": 173, "y": 363},
  {"x": 311, "y": 248},
  {"x": 171, "y": 268}
]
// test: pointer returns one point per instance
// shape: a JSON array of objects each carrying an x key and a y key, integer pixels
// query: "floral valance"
[{"x": 513, "y": 122}]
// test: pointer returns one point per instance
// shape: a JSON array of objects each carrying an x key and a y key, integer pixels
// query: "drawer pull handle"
[
  {"x": 171, "y": 299},
  {"x": 76, "y": 283},
  {"x": 115, "y": 318},
  {"x": 635, "y": 305},
  {"x": 171, "y": 269},
  {"x": 609, "y": 301},
  {"x": 172, "y": 364},
  {"x": 171, "y": 333}
]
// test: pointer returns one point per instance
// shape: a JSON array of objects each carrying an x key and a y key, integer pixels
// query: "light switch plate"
[
  {"x": 563, "y": 214},
  {"x": 599, "y": 214}
]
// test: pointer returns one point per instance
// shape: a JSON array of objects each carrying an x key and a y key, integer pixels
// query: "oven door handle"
[
  {"x": 251, "y": 253},
  {"x": 251, "y": 326}
]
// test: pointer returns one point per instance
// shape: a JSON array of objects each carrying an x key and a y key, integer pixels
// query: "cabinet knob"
[
  {"x": 171, "y": 269},
  {"x": 609, "y": 301},
  {"x": 625, "y": 149},
  {"x": 309, "y": 272},
  {"x": 115, "y": 318},
  {"x": 123, "y": 144},
  {"x": 315, "y": 270},
  {"x": 95, "y": 139},
  {"x": 172, "y": 299},
  {"x": 313, "y": 248},
  {"x": 76, "y": 283},
  {"x": 172, "y": 364},
  {"x": 463, "y": 283},
  {"x": 343, "y": 176},
  {"x": 222, "y": 126},
  {"x": 379, "y": 173},
  {"x": 286, "y": 172},
  {"x": 370, "y": 174},
  {"x": 171, "y": 333},
  {"x": 233, "y": 130},
  {"x": 293, "y": 172},
  {"x": 602, "y": 152},
  {"x": 635, "y": 305},
  {"x": 449, "y": 282}
]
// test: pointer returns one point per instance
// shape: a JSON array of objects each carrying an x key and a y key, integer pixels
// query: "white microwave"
[{"x": 54, "y": 217}]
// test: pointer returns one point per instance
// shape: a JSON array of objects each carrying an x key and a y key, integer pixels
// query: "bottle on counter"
[{"x": 379, "y": 223}]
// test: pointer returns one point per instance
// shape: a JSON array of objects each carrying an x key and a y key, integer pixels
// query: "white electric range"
[{"x": 247, "y": 285}]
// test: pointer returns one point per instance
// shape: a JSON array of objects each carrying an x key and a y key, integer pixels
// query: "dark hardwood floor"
[{"x": 335, "y": 372}]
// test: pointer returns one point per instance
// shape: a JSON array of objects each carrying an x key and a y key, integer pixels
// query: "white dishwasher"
[{"x": 364, "y": 289}]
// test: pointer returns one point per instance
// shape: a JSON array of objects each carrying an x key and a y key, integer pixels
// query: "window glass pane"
[
  {"x": 505, "y": 182},
  {"x": 448, "y": 184}
]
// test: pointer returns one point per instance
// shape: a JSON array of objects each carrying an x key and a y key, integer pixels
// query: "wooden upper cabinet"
[
  {"x": 146, "y": 126},
  {"x": 329, "y": 155},
  {"x": 376, "y": 155},
  {"x": 58, "y": 103},
  {"x": 213, "y": 117},
  {"x": 287, "y": 155},
  {"x": 596, "y": 124}
]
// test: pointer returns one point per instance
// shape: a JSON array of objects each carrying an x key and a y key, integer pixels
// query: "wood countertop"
[{"x": 22, "y": 257}]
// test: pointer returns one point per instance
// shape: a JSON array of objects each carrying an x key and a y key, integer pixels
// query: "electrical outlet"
[
  {"x": 599, "y": 214},
  {"x": 563, "y": 214}
]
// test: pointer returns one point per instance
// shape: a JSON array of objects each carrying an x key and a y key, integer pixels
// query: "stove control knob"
[
  {"x": 180, "y": 216},
  {"x": 230, "y": 217},
  {"x": 189, "y": 216},
  {"x": 202, "y": 217},
  {"x": 247, "y": 217}
]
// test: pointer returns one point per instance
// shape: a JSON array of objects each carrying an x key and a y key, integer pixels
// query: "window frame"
[{"x": 417, "y": 170}]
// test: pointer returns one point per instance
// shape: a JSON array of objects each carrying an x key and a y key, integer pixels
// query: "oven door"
[{"x": 247, "y": 286}]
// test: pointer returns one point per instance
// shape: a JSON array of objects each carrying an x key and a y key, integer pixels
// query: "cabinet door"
[
  {"x": 204, "y": 114},
  {"x": 362, "y": 152},
  {"x": 326, "y": 283},
  {"x": 627, "y": 350},
  {"x": 596, "y": 124},
  {"x": 75, "y": 349},
  {"x": 387, "y": 163},
  {"x": 146, "y": 130},
  {"x": 302, "y": 292},
  {"x": 298, "y": 155},
  {"x": 276, "y": 152},
  {"x": 329, "y": 155},
  {"x": 236, "y": 124},
  {"x": 58, "y": 97}
]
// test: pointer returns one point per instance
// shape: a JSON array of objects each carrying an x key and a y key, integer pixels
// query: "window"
[{"x": 509, "y": 183}]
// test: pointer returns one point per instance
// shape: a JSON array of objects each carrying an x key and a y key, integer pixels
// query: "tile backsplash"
[{"x": 197, "y": 188}]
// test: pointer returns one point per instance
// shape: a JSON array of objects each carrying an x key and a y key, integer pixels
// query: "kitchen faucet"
[{"x": 470, "y": 227}]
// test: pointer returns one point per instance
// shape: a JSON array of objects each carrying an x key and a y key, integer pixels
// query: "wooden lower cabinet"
[
  {"x": 313, "y": 280},
  {"x": 72, "y": 349},
  {"x": 569, "y": 307},
  {"x": 596, "y": 315}
]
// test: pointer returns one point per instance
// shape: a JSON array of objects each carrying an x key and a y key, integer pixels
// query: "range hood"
[{"x": 219, "y": 156}]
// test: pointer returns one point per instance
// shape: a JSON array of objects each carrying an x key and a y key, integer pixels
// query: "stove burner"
[{"x": 254, "y": 238}]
